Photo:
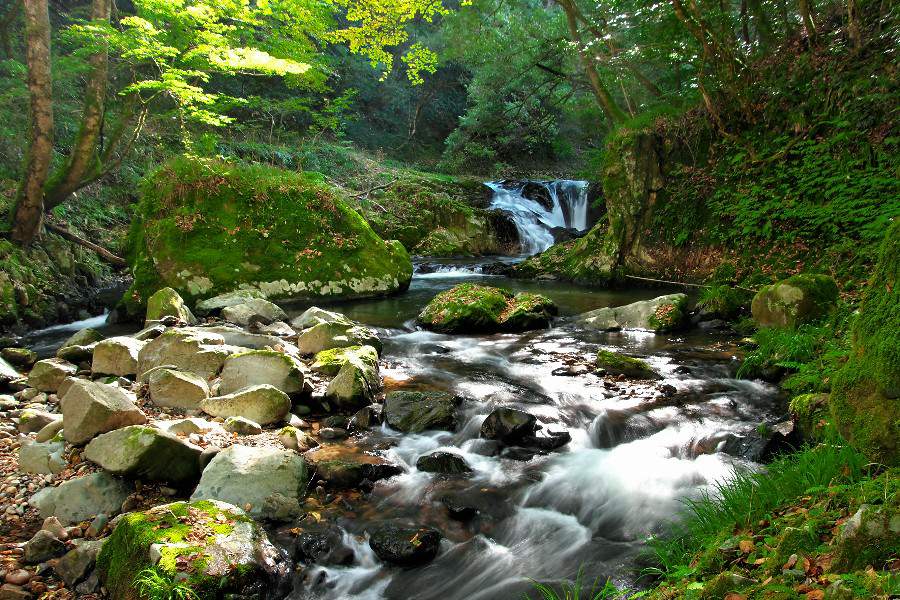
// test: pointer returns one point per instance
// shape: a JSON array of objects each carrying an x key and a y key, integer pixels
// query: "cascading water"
[{"x": 564, "y": 205}]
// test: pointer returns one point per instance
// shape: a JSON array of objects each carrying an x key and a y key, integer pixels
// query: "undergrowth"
[
  {"x": 578, "y": 590},
  {"x": 152, "y": 585}
]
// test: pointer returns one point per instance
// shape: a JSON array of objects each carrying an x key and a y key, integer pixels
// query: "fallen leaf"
[
  {"x": 746, "y": 546},
  {"x": 815, "y": 595}
]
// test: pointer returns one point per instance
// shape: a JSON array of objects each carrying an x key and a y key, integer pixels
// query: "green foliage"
[
  {"x": 724, "y": 300},
  {"x": 749, "y": 496},
  {"x": 578, "y": 591},
  {"x": 153, "y": 585}
]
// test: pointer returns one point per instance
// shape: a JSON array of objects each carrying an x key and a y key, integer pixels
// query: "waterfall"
[{"x": 539, "y": 207}]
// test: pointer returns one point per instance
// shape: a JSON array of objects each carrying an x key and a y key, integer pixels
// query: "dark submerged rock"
[{"x": 405, "y": 546}]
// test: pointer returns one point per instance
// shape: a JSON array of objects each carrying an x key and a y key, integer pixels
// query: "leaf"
[{"x": 746, "y": 546}]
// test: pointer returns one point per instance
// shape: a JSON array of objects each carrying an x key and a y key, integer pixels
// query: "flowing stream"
[{"x": 635, "y": 453}]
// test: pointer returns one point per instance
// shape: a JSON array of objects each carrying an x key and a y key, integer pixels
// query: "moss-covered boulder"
[
  {"x": 168, "y": 303},
  {"x": 614, "y": 363},
  {"x": 207, "y": 547},
  {"x": 207, "y": 227},
  {"x": 329, "y": 362},
  {"x": 470, "y": 308},
  {"x": 800, "y": 299},
  {"x": 665, "y": 313},
  {"x": 591, "y": 260},
  {"x": 865, "y": 393},
  {"x": 810, "y": 414}
]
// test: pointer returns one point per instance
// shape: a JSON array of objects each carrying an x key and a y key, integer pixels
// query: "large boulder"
[
  {"x": 865, "y": 392},
  {"x": 315, "y": 315},
  {"x": 322, "y": 249},
  {"x": 414, "y": 412},
  {"x": 83, "y": 337},
  {"x": 266, "y": 482},
  {"x": 405, "y": 546},
  {"x": 253, "y": 310},
  {"x": 661, "y": 314},
  {"x": 146, "y": 453},
  {"x": 358, "y": 381},
  {"x": 341, "y": 333},
  {"x": 170, "y": 388},
  {"x": 187, "y": 349},
  {"x": 508, "y": 425},
  {"x": 263, "y": 404},
  {"x": 470, "y": 308},
  {"x": 90, "y": 408},
  {"x": 116, "y": 356},
  {"x": 210, "y": 547},
  {"x": 168, "y": 303},
  {"x": 48, "y": 374},
  {"x": 800, "y": 299},
  {"x": 258, "y": 367},
  {"x": 329, "y": 362},
  {"x": 82, "y": 498}
]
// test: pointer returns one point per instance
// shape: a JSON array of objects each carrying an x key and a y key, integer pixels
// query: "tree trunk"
[
  {"x": 806, "y": 15},
  {"x": 764, "y": 29},
  {"x": 604, "y": 98},
  {"x": 29, "y": 209},
  {"x": 83, "y": 163},
  {"x": 854, "y": 31}
]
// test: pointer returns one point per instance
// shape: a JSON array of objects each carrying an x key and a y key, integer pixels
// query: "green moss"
[
  {"x": 810, "y": 413},
  {"x": 125, "y": 554},
  {"x": 668, "y": 316},
  {"x": 208, "y": 227},
  {"x": 590, "y": 260},
  {"x": 865, "y": 398},
  {"x": 330, "y": 361},
  {"x": 615, "y": 363}
]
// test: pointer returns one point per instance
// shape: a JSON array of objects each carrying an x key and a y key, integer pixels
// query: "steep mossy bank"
[
  {"x": 431, "y": 214},
  {"x": 809, "y": 184},
  {"x": 55, "y": 279},
  {"x": 206, "y": 227}
]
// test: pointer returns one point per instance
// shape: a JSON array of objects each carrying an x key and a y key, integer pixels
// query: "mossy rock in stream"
[
  {"x": 207, "y": 227},
  {"x": 865, "y": 393},
  {"x": 470, "y": 308},
  {"x": 207, "y": 547},
  {"x": 619, "y": 364},
  {"x": 590, "y": 260}
]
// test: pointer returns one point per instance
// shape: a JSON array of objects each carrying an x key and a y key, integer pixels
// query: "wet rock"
[
  {"x": 263, "y": 404},
  {"x": 266, "y": 482},
  {"x": 234, "y": 556},
  {"x": 147, "y": 454},
  {"x": 446, "y": 463},
  {"x": 547, "y": 443},
  {"x": 8, "y": 373},
  {"x": 571, "y": 371},
  {"x": 77, "y": 354},
  {"x": 796, "y": 300},
  {"x": 187, "y": 349},
  {"x": 337, "y": 334},
  {"x": 258, "y": 367},
  {"x": 48, "y": 374},
  {"x": 365, "y": 418},
  {"x": 90, "y": 408},
  {"x": 664, "y": 313},
  {"x": 458, "y": 508},
  {"x": 45, "y": 458},
  {"x": 19, "y": 357},
  {"x": 358, "y": 381},
  {"x": 615, "y": 363},
  {"x": 76, "y": 565},
  {"x": 405, "y": 546},
  {"x": 483, "y": 447},
  {"x": 168, "y": 303},
  {"x": 241, "y": 426},
  {"x": 414, "y": 412},
  {"x": 869, "y": 537},
  {"x": 344, "y": 467},
  {"x": 42, "y": 547},
  {"x": 116, "y": 356},
  {"x": 323, "y": 544},
  {"x": 508, "y": 425},
  {"x": 253, "y": 310},
  {"x": 82, "y": 498},
  {"x": 170, "y": 388},
  {"x": 780, "y": 438}
]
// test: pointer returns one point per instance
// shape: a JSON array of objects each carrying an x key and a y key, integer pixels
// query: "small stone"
[
  {"x": 18, "y": 577},
  {"x": 242, "y": 426},
  {"x": 42, "y": 547}
]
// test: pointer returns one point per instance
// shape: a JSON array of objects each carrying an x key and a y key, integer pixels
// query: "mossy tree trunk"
[
  {"x": 84, "y": 163},
  {"x": 29, "y": 208},
  {"x": 808, "y": 23}
]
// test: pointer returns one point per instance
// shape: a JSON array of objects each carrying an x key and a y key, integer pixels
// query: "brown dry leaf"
[
  {"x": 815, "y": 595},
  {"x": 746, "y": 546},
  {"x": 759, "y": 561},
  {"x": 790, "y": 563},
  {"x": 767, "y": 581},
  {"x": 733, "y": 596}
]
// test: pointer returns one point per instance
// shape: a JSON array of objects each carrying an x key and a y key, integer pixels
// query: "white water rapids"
[{"x": 533, "y": 220}]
